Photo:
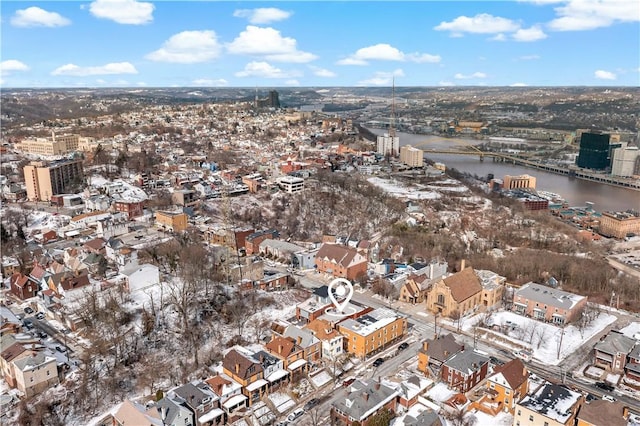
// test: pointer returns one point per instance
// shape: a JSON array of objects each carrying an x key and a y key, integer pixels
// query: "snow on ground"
[
  {"x": 482, "y": 419},
  {"x": 544, "y": 338},
  {"x": 448, "y": 188},
  {"x": 631, "y": 330},
  {"x": 612, "y": 378},
  {"x": 593, "y": 371},
  {"x": 281, "y": 401},
  {"x": 399, "y": 190},
  {"x": 43, "y": 220},
  {"x": 320, "y": 379},
  {"x": 440, "y": 392}
]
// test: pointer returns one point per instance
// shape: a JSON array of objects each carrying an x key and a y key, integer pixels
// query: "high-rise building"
[
  {"x": 594, "y": 151},
  {"x": 274, "y": 99},
  {"x": 46, "y": 179},
  {"x": 412, "y": 157},
  {"x": 388, "y": 145},
  {"x": 624, "y": 161}
]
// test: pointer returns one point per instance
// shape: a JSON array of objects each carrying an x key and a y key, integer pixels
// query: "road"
[{"x": 422, "y": 326}]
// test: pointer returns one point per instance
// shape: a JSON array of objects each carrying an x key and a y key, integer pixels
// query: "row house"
[
  {"x": 548, "y": 304},
  {"x": 601, "y": 412},
  {"x": 193, "y": 403},
  {"x": 35, "y": 373},
  {"x": 550, "y": 405},
  {"x": 613, "y": 350},
  {"x": 372, "y": 332},
  {"x": 230, "y": 393},
  {"x": 331, "y": 340},
  {"x": 464, "y": 370},
  {"x": 130, "y": 208},
  {"x": 310, "y": 344},
  {"x": 341, "y": 261},
  {"x": 22, "y": 286},
  {"x": 361, "y": 401},
  {"x": 253, "y": 240}
]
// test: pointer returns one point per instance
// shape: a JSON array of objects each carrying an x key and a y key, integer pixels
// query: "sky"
[{"x": 129, "y": 43}]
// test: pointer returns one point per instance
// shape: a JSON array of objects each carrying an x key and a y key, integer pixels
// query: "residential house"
[
  {"x": 550, "y": 405},
  {"x": 331, "y": 340},
  {"x": 35, "y": 373},
  {"x": 363, "y": 400},
  {"x": 171, "y": 221},
  {"x": 420, "y": 415},
  {"x": 138, "y": 277},
  {"x": 415, "y": 289},
  {"x": 612, "y": 351},
  {"x": 315, "y": 306},
  {"x": 457, "y": 295},
  {"x": 38, "y": 275},
  {"x": 230, "y": 393},
  {"x": 9, "y": 322},
  {"x": 247, "y": 369},
  {"x": 632, "y": 369},
  {"x": 601, "y": 412},
  {"x": 434, "y": 352},
  {"x": 372, "y": 332},
  {"x": 202, "y": 401},
  {"x": 310, "y": 344},
  {"x": 95, "y": 246},
  {"x": 22, "y": 287},
  {"x": 253, "y": 240},
  {"x": 410, "y": 389},
  {"x": 11, "y": 351},
  {"x": 174, "y": 411},
  {"x": 277, "y": 249},
  {"x": 465, "y": 369},
  {"x": 67, "y": 281},
  {"x": 341, "y": 261},
  {"x": 234, "y": 238},
  {"x": 132, "y": 413},
  {"x": 508, "y": 384},
  {"x": 548, "y": 304},
  {"x": 493, "y": 288},
  {"x": 288, "y": 350}
]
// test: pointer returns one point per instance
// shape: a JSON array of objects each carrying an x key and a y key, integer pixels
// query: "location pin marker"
[{"x": 343, "y": 288}]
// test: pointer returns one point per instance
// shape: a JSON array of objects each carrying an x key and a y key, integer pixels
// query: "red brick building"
[
  {"x": 341, "y": 261},
  {"x": 22, "y": 287},
  {"x": 464, "y": 370},
  {"x": 130, "y": 208}
]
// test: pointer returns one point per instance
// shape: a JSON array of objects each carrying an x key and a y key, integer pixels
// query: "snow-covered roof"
[
  {"x": 297, "y": 364},
  {"x": 553, "y": 401},
  {"x": 548, "y": 296}
]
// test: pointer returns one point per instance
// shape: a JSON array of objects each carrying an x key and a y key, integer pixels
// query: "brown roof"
[
  {"x": 322, "y": 329},
  {"x": 96, "y": 244},
  {"x": 233, "y": 358},
  {"x": 463, "y": 284},
  {"x": 337, "y": 253},
  {"x": 600, "y": 412},
  {"x": 18, "y": 279},
  {"x": 514, "y": 372},
  {"x": 217, "y": 384},
  {"x": 281, "y": 346},
  {"x": 442, "y": 347},
  {"x": 13, "y": 351},
  {"x": 37, "y": 272}
]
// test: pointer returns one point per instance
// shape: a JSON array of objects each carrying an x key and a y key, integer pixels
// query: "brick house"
[
  {"x": 464, "y": 370},
  {"x": 434, "y": 352},
  {"x": 131, "y": 209},
  {"x": 612, "y": 351},
  {"x": 341, "y": 261},
  {"x": 632, "y": 369},
  {"x": 22, "y": 287},
  {"x": 363, "y": 400},
  {"x": 547, "y": 304},
  {"x": 253, "y": 240}
]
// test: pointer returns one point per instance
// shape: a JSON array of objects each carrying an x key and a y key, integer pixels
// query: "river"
[{"x": 576, "y": 191}]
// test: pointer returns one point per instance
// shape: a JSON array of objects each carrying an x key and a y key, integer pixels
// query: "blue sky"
[{"x": 129, "y": 43}]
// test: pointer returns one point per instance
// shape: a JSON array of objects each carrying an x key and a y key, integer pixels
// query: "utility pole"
[{"x": 560, "y": 344}]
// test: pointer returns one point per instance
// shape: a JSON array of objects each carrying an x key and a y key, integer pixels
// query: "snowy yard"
[
  {"x": 282, "y": 402},
  {"x": 440, "y": 392},
  {"x": 544, "y": 339},
  {"x": 320, "y": 379},
  {"x": 482, "y": 419}
]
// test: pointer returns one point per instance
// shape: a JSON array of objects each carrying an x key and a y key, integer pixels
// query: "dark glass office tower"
[{"x": 594, "y": 151}]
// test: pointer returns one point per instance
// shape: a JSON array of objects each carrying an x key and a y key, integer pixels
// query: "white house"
[{"x": 138, "y": 277}]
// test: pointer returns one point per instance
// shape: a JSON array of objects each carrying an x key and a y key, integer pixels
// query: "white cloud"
[
  {"x": 11, "y": 65},
  {"x": 529, "y": 57},
  {"x": 292, "y": 82},
  {"x": 482, "y": 23},
  {"x": 269, "y": 43},
  {"x": 36, "y": 17},
  {"x": 499, "y": 37},
  {"x": 578, "y": 15},
  {"x": 460, "y": 76},
  {"x": 112, "y": 68},
  {"x": 529, "y": 34},
  {"x": 101, "y": 81},
  {"x": 604, "y": 75},
  {"x": 220, "y": 82},
  {"x": 263, "y": 15},
  {"x": 321, "y": 72},
  {"x": 123, "y": 11},
  {"x": 381, "y": 78},
  {"x": 264, "y": 70},
  {"x": 446, "y": 83},
  {"x": 188, "y": 47},
  {"x": 518, "y": 85},
  {"x": 386, "y": 52}
]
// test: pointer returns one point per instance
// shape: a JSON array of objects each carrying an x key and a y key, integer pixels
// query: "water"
[{"x": 576, "y": 191}]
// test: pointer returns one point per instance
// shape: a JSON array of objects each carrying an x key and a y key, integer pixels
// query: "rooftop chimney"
[
  {"x": 365, "y": 396},
  {"x": 462, "y": 265},
  {"x": 237, "y": 368}
]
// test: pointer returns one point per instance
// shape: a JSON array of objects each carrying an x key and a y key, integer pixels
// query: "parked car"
[
  {"x": 523, "y": 355},
  {"x": 40, "y": 315},
  {"x": 61, "y": 349},
  {"x": 403, "y": 346},
  {"x": 346, "y": 382},
  {"x": 311, "y": 403},
  {"x": 590, "y": 397},
  {"x": 28, "y": 310},
  {"x": 296, "y": 413},
  {"x": 605, "y": 386},
  {"x": 609, "y": 398},
  {"x": 378, "y": 362},
  {"x": 495, "y": 361}
]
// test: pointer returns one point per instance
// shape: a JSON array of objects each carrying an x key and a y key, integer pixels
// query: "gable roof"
[
  {"x": 322, "y": 329},
  {"x": 282, "y": 346},
  {"x": 514, "y": 372},
  {"x": 340, "y": 254},
  {"x": 364, "y": 399},
  {"x": 234, "y": 357},
  {"x": 467, "y": 362},
  {"x": 615, "y": 342},
  {"x": 136, "y": 414},
  {"x": 601, "y": 412},
  {"x": 19, "y": 280},
  {"x": 442, "y": 347},
  {"x": 463, "y": 284}
]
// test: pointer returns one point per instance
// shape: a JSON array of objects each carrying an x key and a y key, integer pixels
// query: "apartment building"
[
  {"x": 372, "y": 332},
  {"x": 412, "y": 157},
  {"x": 547, "y": 304},
  {"x": 341, "y": 261},
  {"x": 171, "y": 221},
  {"x": 46, "y": 179},
  {"x": 619, "y": 224}
]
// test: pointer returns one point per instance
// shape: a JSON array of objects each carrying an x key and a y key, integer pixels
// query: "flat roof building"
[{"x": 44, "y": 180}]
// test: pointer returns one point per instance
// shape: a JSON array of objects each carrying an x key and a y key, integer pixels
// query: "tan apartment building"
[
  {"x": 412, "y": 157},
  {"x": 519, "y": 182},
  {"x": 171, "y": 221},
  {"x": 372, "y": 332},
  {"x": 55, "y": 144},
  {"x": 619, "y": 224},
  {"x": 46, "y": 179},
  {"x": 35, "y": 373}
]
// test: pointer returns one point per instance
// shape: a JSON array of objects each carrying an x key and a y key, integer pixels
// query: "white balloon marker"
[{"x": 343, "y": 288}]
